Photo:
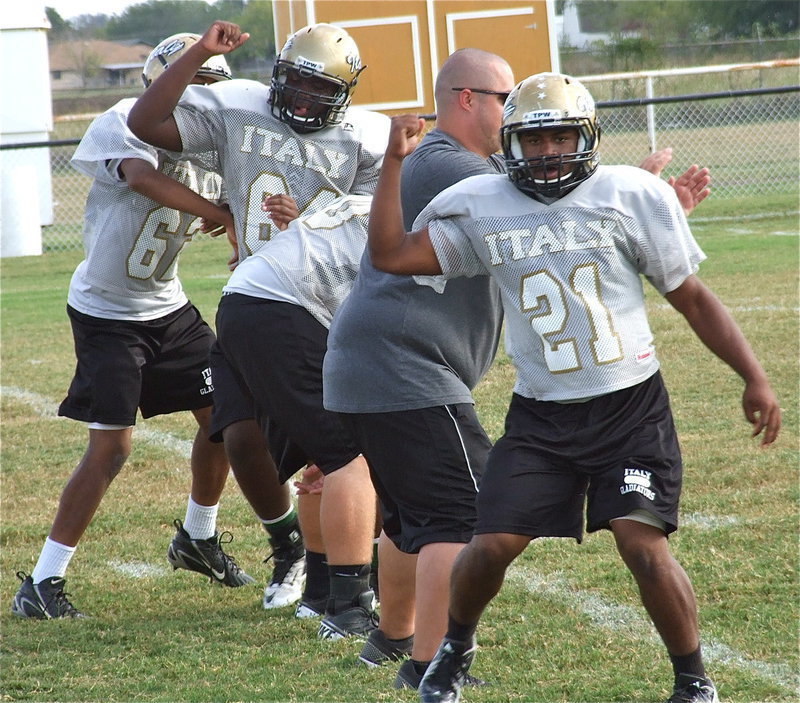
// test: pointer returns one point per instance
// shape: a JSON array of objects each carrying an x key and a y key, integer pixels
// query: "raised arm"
[
  {"x": 151, "y": 118},
  {"x": 390, "y": 248},
  {"x": 715, "y": 327}
]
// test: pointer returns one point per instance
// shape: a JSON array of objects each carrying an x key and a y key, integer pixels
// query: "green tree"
[
  {"x": 86, "y": 62},
  {"x": 676, "y": 21},
  {"x": 626, "y": 54},
  {"x": 258, "y": 53},
  {"x": 739, "y": 18},
  {"x": 90, "y": 26},
  {"x": 228, "y": 9},
  {"x": 152, "y": 21},
  {"x": 657, "y": 20},
  {"x": 59, "y": 27}
]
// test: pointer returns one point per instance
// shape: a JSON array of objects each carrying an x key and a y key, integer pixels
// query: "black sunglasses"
[{"x": 500, "y": 93}]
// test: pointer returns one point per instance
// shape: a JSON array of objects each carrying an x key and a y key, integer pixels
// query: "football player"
[
  {"x": 139, "y": 342},
  {"x": 415, "y": 418},
  {"x": 589, "y": 423},
  {"x": 281, "y": 299},
  {"x": 295, "y": 147}
]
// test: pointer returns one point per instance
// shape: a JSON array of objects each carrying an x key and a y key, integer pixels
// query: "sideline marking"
[
  {"x": 741, "y": 308},
  {"x": 744, "y": 218},
  {"x": 630, "y": 622},
  {"x": 47, "y": 409},
  {"x": 708, "y": 522},
  {"x": 138, "y": 569}
]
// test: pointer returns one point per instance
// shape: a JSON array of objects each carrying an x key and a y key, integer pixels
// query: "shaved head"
[
  {"x": 470, "y": 68},
  {"x": 473, "y": 116}
]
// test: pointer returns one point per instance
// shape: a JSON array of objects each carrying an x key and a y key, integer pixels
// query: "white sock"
[
  {"x": 53, "y": 561},
  {"x": 201, "y": 520}
]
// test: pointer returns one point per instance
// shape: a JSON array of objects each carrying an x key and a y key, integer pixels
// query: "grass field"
[{"x": 566, "y": 627}]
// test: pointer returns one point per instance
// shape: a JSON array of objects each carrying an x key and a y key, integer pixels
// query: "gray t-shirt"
[{"x": 397, "y": 344}]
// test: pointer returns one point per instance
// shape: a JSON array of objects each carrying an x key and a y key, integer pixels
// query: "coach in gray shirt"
[{"x": 403, "y": 355}]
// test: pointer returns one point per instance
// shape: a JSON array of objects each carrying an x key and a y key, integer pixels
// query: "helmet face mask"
[
  {"x": 314, "y": 78},
  {"x": 553, "y": 102},
  {"x": 171, "y": 49}
]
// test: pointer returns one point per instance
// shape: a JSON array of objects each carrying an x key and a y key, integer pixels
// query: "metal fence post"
[{"x": 651, "y": 115}]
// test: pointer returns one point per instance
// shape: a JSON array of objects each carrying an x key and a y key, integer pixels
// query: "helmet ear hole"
[{"x": 516, "y": 147}]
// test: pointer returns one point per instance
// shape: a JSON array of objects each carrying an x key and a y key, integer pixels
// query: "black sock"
[
  {"x": 348, "y": 582},
  {"x": 691, "y": 664},
  {"x": 420, "y": 667},
  {"x": 402, "y": 642},
  {"x": 317, "y": 582},
  {"x": 373, "y": 570},
  {"x": 286, "y": 533},
  {"x": 374, "y": 565},
  {"x": 458, "y": 632}
]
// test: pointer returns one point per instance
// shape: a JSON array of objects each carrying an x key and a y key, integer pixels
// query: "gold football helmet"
[
  {"x": 171, "y": 49},
  {"x": 314, "y": 77},
  {"x": 547, "y": 101}
]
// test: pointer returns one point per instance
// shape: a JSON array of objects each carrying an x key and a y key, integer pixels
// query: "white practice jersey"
[
  {"x": 569, "y": 272},
  {"x": 312, "y": 263},
  {"x": 258, "y": 155},
  {"x": 131, "y": 242}
]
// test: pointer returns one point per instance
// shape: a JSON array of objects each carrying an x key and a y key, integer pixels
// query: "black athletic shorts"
[
  {"x": 426, "y": 466},
  {"x": 159, "y": 366},
  {"x": 231, "y": 403},
  {"x": 234, "y": 403},
  {"x": 616, "y": 453},
  {"x": 276, "y": 351}
]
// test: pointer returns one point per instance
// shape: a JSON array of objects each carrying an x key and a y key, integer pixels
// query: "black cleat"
[
  {"x": 45, "y": 600},
  {"x": 311, "y": 608},
  {"x": 407, "y": 677},
  {"x": 379, "y": 649},
  {"x": 447, "y": 672},
  {"x": 359, "y": 619},
  {"x": 206, "y": 557},
  {"x": 693, "y": 689}
]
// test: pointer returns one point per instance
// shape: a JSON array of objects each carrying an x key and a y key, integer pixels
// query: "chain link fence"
[{"x": 748, "y": 138}]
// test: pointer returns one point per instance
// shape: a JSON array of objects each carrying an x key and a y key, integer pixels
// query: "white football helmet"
[
  {"x": 547, "y": 101},
  {"x": 324, "y": 52},
  {"x": 171, "y": 49}
]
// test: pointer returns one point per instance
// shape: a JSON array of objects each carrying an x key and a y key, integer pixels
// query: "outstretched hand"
[
  {"x": 691, "y": 187},
  {"x": 223, "y": 37}
]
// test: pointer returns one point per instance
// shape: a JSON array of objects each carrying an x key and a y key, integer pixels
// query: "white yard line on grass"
[
  {"x": 708, "y": 522},
  {"x": 46, "y": 408},
  {"x": 742, "y": 308},
  {"x": 138, "y": 569},
  {"x": 745, "y": 218},
  {"x": 632, "y": 623}
]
